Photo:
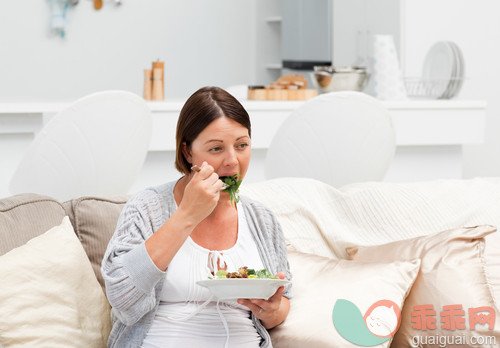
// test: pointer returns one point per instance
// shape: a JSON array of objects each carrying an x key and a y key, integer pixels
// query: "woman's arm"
[
  {"x": 128, "y": 271},
  {"x": 271, "y": 241},
  {"x": 199, "y": 199},
  {"x": 166, "y": 242},
  {"x": 144, "y": 243},
  {"x": 271, "y": 312}
]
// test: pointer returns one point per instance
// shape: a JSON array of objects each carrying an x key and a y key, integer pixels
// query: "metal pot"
[{"x": 333, "y": 79}]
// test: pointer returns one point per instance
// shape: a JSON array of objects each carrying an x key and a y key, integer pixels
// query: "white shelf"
[
  {"x": 274, "y": 66},
  {"x": 274, "y": 19}
]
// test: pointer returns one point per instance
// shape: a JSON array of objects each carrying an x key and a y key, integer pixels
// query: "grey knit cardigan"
[{"x": 133, "y": 282}]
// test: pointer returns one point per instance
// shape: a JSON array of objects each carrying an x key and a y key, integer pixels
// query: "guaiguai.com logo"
[{"x": 376, "y": 326}]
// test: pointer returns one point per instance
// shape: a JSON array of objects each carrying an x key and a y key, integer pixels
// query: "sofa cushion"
[
  {"x": 94, "y": 220},
  {"x": 25, "y": 216},
  {"x": 453, "y": 273},
  {"x": 302, "y": 207},
  {"x": 321, "y": 219},
  {"x": 321, "y": 284},
  {"x": 492, "y": 259},
  {"x": 49, "y": 295}
]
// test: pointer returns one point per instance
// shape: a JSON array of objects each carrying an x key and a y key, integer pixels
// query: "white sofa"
[
  {"x": 360, "y": 232},
  {"x": 352, "y": 251}
]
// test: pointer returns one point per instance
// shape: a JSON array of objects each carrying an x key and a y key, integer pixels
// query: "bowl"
[{"x": 333, "y": 79}]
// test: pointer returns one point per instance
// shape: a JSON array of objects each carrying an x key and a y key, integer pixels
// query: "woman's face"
[{"x": 225, "y": 145}]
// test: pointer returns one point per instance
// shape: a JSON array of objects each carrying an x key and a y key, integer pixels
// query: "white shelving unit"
[
  {"x": 274, "y": 19},
  {"x": 276, "y": 66},
  {"x": 268, "y": 41}
]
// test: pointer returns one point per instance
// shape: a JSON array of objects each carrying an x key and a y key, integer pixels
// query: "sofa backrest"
[
  {"x": 323, "y": 220},
  {"x": 25, "y": 216}
]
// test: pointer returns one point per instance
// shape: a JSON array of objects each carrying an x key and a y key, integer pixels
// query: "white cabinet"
[{"x": 347, "y": 43}]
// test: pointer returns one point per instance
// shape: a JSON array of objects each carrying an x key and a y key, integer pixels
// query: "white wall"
[
  {"x": 416, "y": 26},
  {"x": 355, "y": 21},
  {"x": 474, "y": 26},
  {"x": 201, "y": 42},
  {"x": 219, "y": 42}
]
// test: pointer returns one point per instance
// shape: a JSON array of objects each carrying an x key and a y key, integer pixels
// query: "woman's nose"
[{"x": 231, "y": 159}]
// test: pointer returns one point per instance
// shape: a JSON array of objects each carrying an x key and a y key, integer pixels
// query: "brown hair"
[{"x": 202, "y": 108}]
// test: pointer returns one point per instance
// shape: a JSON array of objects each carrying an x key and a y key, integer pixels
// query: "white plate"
[
  {"x": 440, "y": 66},
  {"x": 460, "y": 75},
  {"x": 450, "y": 91},
  {"x": 234, "y": 288}
]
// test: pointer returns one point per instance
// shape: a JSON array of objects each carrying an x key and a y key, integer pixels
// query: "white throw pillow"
[
  {"x": 49, "y": 295},
  {"x": 332, "y": 299}
]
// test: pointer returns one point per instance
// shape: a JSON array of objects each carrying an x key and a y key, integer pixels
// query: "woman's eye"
[
  {"x": 242, "y": 145},
  {"x": 215, "y": 149}
]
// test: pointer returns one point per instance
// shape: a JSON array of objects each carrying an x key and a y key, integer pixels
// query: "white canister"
[{"x": 387, "y": 79}]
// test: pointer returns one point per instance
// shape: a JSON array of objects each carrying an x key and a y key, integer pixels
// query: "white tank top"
[{"x": 181, "y": 296}]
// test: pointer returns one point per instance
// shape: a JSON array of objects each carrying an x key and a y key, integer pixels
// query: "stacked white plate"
[{"x": 444, "y": 69}]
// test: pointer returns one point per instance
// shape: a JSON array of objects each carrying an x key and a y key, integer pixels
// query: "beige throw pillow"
[
  {"x": 320, "y": 284},
  {"x": 452, "y": 284},
  {"x": 94, "y": 220},
  {"x": 49, "y": 295}
]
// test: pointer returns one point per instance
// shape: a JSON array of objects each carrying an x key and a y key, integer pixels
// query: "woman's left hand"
[{"x": 272, "y": 311}]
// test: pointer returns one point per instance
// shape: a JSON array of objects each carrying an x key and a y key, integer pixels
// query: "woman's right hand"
[{"x": 201, "y": 194}]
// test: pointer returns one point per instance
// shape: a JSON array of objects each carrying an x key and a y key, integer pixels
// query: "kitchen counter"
[
  {"x": 426, "y": 122},
  {"x": 430, "y": 122},
  {"x": 429, "y": 135}
]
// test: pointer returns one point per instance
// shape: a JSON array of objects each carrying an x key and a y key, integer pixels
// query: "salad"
[
  {"x": 232, "y": 184},
  {"x": 232, "y": 188},
  {"x": 245, "y": 272}
]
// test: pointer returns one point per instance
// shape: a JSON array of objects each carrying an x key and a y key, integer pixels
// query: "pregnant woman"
[{"x": 171, "y": 236}]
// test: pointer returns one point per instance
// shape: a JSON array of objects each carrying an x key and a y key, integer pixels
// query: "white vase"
[{"x": 387, "y": 80}]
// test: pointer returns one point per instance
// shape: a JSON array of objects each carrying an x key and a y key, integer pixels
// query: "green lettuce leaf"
[{"x": 232, "y": 188}]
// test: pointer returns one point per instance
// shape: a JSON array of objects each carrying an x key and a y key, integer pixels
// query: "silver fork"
[{"x": 197, "y": 169}]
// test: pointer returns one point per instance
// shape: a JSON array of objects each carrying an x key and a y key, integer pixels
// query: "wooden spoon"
[{"x": 97, "y": 4}]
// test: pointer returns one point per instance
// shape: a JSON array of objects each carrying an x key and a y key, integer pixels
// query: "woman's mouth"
[{"x": 226, "y": 175}]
